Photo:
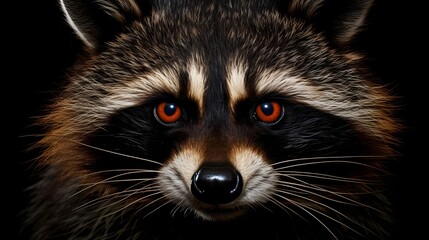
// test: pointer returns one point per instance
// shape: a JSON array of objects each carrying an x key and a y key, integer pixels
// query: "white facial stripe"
[
  {"x": 258, "y": 176},
  {"x": 333, "y": 99},
  {"x": 197, "y": 82},
  {"x": 236, "y": 73},
  {"x": 281, "y": 81},
  {"x": 134, "y": 92}
]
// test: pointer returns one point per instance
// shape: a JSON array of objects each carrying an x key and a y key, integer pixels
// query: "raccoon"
[{"x": 217, "y": 119}]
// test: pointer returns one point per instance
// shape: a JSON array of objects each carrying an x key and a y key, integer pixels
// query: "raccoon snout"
[{"x": 216, "y": 184}]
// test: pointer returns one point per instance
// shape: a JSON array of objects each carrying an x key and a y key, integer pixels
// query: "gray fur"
[{"x": 147, "y": 56}]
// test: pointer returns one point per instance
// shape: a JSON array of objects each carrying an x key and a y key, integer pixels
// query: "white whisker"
[
  {"x": 156, "y": 209},
  {"x": 309, "y": 213},
  {"x": 111, "y": 179},
  {"x": 323, "y": 188},
  {"x": 118, "y": 154},
  {"x": 127, "y": 170},
  {"x": 118, "y": 181},
  {"x": 132, "y": 203},
  {"x": 136, "y": 192},
  {"x": 327, "y": 216},
  {"x": 176, "y": 208},
  {"x": 328, "y": 157},
  {"x": 331, "y": 162},
  {"x": 285, "y": 207},
  {"x": 318, "y": 188},
  {"x": 327, "y": 177},
  {"x": 119, "y": 194},
  {"x": 105, "y": 213}
]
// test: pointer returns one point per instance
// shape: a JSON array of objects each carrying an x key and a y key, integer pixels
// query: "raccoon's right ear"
[
  {"x": 97, "y": 21},
  {"x": 339, "y": 20}
]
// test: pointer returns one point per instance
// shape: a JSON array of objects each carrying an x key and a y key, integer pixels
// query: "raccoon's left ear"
[
  {"x": 97, "y": 21},
  {"x": 340, "y": 20}
]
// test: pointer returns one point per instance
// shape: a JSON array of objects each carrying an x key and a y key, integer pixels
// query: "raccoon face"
[{"x": 219, "y": 108}]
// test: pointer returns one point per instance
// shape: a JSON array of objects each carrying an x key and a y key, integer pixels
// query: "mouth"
[{"x": 219, "y": 212}]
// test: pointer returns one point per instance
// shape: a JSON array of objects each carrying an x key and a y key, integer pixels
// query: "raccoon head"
[{"x": 222, "y": 107}]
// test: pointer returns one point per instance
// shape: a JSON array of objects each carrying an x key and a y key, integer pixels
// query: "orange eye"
[
  {"x": 269, "y": 112},
  {"x": 168, "y": 113}
]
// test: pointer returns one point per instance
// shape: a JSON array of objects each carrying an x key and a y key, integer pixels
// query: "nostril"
[{"x": 216, "y": 185}]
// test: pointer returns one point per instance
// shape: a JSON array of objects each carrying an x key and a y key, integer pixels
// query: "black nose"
[{"x": 216, "y": 184}]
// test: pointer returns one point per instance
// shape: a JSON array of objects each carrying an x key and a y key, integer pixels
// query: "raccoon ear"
[
  {"x": 97, "y": 21},
  {"x": 340, "y": 20}
]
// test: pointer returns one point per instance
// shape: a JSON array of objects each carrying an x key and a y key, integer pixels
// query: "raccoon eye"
[
  {"x": 167, "y": 113},
  {"x": 269, "y": 112}
]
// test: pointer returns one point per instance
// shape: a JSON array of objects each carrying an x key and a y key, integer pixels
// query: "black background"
[{"x": 38, "y": 47}]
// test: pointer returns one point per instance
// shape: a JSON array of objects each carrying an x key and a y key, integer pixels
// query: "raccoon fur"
[{"x": 216, "y": 119}]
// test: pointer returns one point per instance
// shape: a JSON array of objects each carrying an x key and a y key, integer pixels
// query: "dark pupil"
[
  {"x": 267, "y": 108},
  {"x": 170, "y": 109}
]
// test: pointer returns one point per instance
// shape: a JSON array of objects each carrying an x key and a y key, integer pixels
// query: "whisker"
[
  {"x": 133, "y": 202},
  {"x": 125, "y": 197},
  {"x": 156, "y": 209},
  {"x": 176, "y": 208},
  {"x": 329, "y": 157},
  {"x": 101, "y": 198},
  {"x": 309, "y": 213},
  {"x": 103, "y": 216},
  {"x": 328, "y": 177},
  {"x": 349, "y": 200},
  {"x": 323, "y": 188},
  {"x": 111, "y": 179},
  {"x": 330, "y": 162},
  {"x": 261, "y": 204},
  {"x": 187, "y": 212},
  {"x": 118, "y": 181},
  {"x": 284, "y": 207},
  {"x": 302, "y": 188},
  {"x": 118, "y": 154},
  {"x": 114, "y": 195},
  {"x": 130, "y": 170},
  {"x": 126, "y": 172},
  {"x": 327, "y": 216}
]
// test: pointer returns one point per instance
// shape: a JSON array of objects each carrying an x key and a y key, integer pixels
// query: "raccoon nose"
[{"x": 216, "y": 184}]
